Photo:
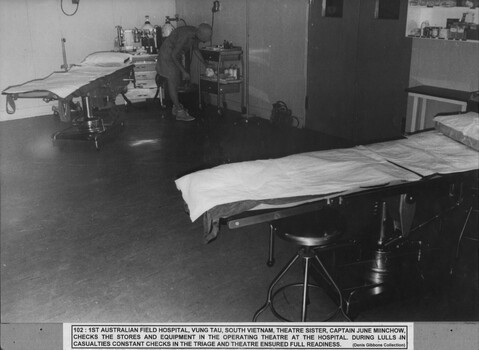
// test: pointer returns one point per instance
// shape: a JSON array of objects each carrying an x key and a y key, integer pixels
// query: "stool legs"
[
  {"x": 271, "y": 287},
  {"x": 305, "y": 288},
  {"x": 270, "y": 261},
  {"x": 471, "y": 209},
  {"x": 330, "y": 279},
  {"x": 161, "y": 94},
  {"x": 306, "y": 254}
]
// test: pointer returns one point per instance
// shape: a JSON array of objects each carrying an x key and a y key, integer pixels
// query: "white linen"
[
  {"x": 463, "y": 128},
  {"x": 326, "y": 172},
  {"x": 427, "y": 153},
  {"x": 107, "y": 58},
  {"x": 64, "y": 84},
  {"x": 313, "y": 173}
]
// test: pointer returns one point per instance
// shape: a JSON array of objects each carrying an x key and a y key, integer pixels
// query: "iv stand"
[
  {"x": 64, "y": 66},
  {"x": 246, "y": 83},
  {"x": 246, "y": 116}
]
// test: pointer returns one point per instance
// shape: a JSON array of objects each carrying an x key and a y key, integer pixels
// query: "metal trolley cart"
[{"x": 222, "y": 82}]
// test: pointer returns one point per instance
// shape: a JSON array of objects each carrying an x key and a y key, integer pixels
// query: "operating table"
[
  {"x": 283, "y": 186},
  {"x": 97, "y": 80},
  {"x": 393, "y": 175}
]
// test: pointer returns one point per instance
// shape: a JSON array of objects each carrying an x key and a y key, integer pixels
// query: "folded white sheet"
[
  {"x": 427, "y": 153},
  {"x": 313, "y": 173},
  {"x": 463, "y": 128},
  {"x": 107, "y": 58}
]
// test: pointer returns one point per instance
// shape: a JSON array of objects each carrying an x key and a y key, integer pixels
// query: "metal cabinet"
[
  {"x": 222, "y": 83},
  {"x": 358, "y": 67}
]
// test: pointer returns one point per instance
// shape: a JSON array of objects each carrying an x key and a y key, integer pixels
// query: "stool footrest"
[{"x": 305, "y": 253}]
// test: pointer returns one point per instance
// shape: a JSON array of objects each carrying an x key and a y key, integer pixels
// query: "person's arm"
[{"x": 174, "y": 56}]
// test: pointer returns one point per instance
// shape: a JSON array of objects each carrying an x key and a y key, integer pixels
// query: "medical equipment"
[
  {"x": 96, "y": 81},
  {"x": 64, "y": 66},
  {"x": 147, "y": 27},
  {"x": 221, "y": 83},
  {"x": 167, "y": 28},
  {"x": 131, "y": 39},
  {"x": 147, "y": 39}
]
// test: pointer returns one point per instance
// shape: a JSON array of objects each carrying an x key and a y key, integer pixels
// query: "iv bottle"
[
  {"x": 147, "y": 31},
  {"x": 147, "y": 27}
]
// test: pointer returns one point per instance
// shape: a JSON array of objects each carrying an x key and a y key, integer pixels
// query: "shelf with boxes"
[{"x": 442, "y": 20}]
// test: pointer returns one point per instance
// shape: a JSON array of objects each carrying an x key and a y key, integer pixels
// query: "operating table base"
[{"x": 98, "y": 134}]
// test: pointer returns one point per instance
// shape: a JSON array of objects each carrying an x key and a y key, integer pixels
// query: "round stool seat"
[
  {"x": 160, "y": 80},
  {"x": 311, "y": 229}
]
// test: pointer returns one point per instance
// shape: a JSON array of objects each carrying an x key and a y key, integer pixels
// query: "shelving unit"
[
  {"x": 221, "y": 84},
  {"x": 144, "y": 87},
  {"x": 437, "y": 17}
]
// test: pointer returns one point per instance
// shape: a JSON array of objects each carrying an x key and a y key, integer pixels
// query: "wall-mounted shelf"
[{"x": 443, "y": 21}]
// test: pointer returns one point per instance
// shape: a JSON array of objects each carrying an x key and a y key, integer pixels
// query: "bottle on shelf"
[
  {"x": 237, "y": 71},
  {"x": 148, "y": 40}
]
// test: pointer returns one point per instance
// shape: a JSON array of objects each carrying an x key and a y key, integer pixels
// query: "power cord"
[{"x": 69, "y": 14}]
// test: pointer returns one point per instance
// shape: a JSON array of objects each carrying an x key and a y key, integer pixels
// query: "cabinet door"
[
  {"x": 383, "y": 64},
  {"x": 358, "y": 69},
  {"x": 331, "y": 82}
]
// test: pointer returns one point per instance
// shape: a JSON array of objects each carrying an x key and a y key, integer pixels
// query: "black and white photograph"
[{"x": 256, "y": 163}]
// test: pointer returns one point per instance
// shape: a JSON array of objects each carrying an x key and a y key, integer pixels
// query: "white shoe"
[{"x": 182, "y": 115}]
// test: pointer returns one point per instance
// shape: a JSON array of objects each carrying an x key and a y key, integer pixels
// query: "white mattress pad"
[{"x": 63, "y": 84}]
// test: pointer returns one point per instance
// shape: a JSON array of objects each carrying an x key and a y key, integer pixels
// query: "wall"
[
  {"x": 31, "y": 32},
  {"x": 442, "y": 63},
  {"x": 277, "y": 47}
]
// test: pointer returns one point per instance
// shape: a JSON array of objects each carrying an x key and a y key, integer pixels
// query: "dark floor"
[{"x": 101, "y": 236}]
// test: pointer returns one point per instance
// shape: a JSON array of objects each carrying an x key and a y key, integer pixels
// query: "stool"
[
  {"x": 313, "y": 232},
  {"x": 473, "y": 210}
]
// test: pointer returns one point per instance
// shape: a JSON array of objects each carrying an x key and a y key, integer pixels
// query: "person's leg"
[
  {"x": 173, "y": 85},
  {"x": 174, "y": 81},
  {"x": 166, "y": 68},
  {"x": 178, "y": 111}
]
